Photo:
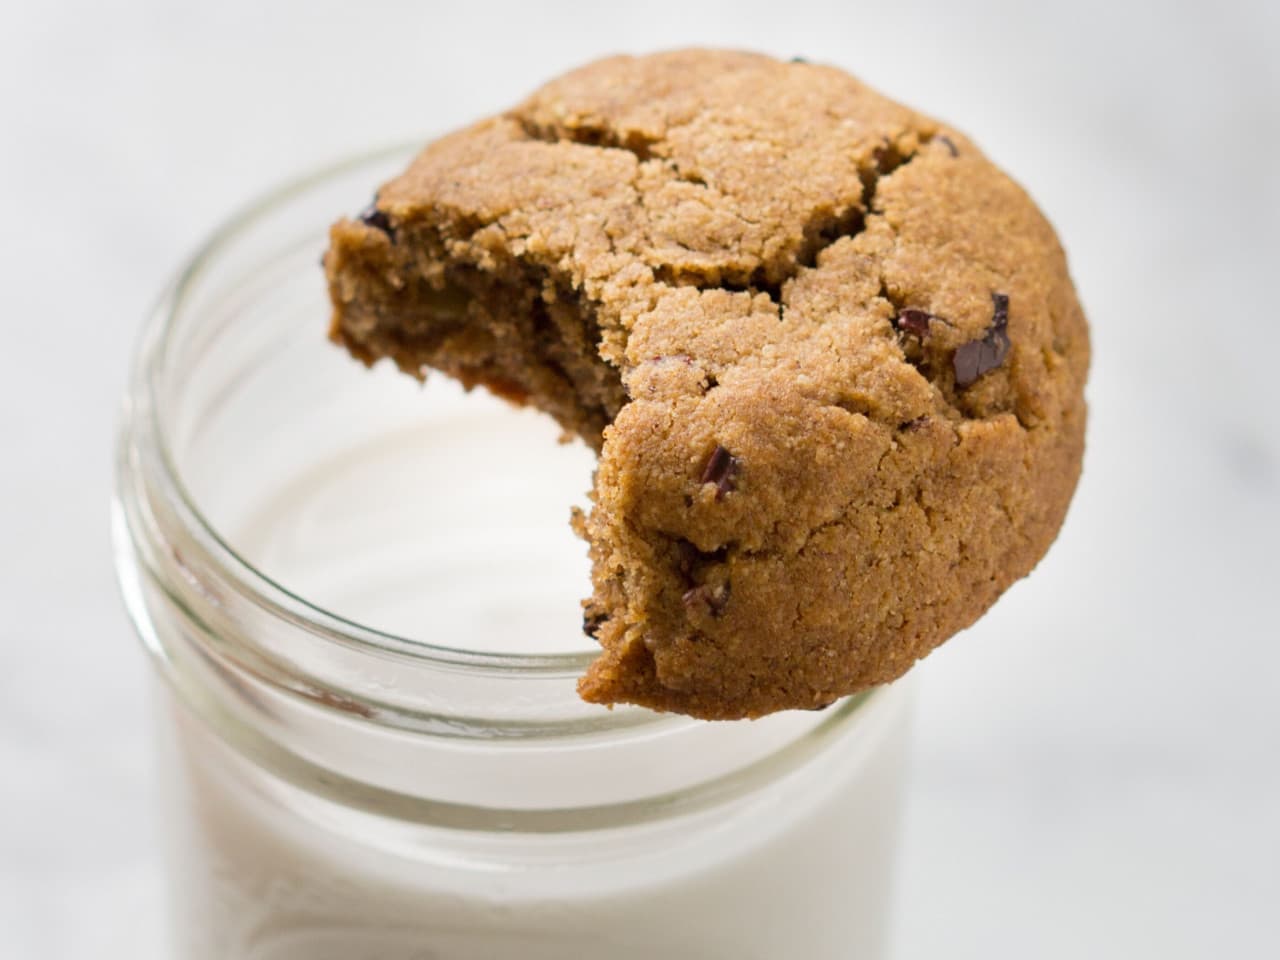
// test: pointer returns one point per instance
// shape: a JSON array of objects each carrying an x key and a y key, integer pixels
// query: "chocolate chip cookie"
[{"x": 830, "y": 357}]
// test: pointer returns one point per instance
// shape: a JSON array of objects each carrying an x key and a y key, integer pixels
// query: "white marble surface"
[{"x": 1098, "y": 770}]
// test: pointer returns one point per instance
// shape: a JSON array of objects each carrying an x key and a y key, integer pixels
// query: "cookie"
[{"x": 830, "y": 357}]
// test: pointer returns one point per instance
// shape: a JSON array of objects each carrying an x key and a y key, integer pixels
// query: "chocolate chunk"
[
  {"x": 687, "y": 557},
  {"x": 721, "y": 469},
  {"x": 707, "y": 599},
  {"x": 592, "y": 621},
  {"x": 371, "y": 216},
  {"x": 691, "y": 562},
  {"x": 799, "y": 60},
  {"x": 977, "y": 357},
  {"x": 1000, "y": 310},
  {"x": 948, "y": 143},
  {"x": 913, "y": 321}
]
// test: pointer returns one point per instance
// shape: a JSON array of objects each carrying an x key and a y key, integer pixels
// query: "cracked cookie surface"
[{"x": 830, "y": 357}]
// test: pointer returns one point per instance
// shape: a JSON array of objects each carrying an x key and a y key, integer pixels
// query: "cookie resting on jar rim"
[{"x": 811, "y": 369}]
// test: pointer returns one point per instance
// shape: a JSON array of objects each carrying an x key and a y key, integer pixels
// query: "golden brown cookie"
[{"x": 830, "y": 356}]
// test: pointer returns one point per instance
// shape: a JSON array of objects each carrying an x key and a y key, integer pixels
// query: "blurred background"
[{"x": 1098, "y": 763}]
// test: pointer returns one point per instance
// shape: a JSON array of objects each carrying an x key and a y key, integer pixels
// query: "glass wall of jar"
[{"x": 360, "y": 596}]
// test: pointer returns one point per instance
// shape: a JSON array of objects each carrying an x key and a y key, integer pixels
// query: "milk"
[{"x": 799, "y": 868}]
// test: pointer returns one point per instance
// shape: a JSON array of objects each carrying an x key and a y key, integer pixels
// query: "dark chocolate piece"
[
  {"x": 977, "y": 357},
  {"x": 691, "y": 562},
  {"x": 371, "y": 216},
  {"x": 710, "y": 599},
  {"x": 799, "y": 60},
  {"x": 687, "y": 559},
  {"x": 592, "y": 621},
  {"x": 721, "y": 469},
  {"x": 913, "y": 321},
  {"x": 999, "y": 310}
]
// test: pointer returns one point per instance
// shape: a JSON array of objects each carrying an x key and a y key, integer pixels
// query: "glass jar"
[{"x": 361, "y": 596}]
